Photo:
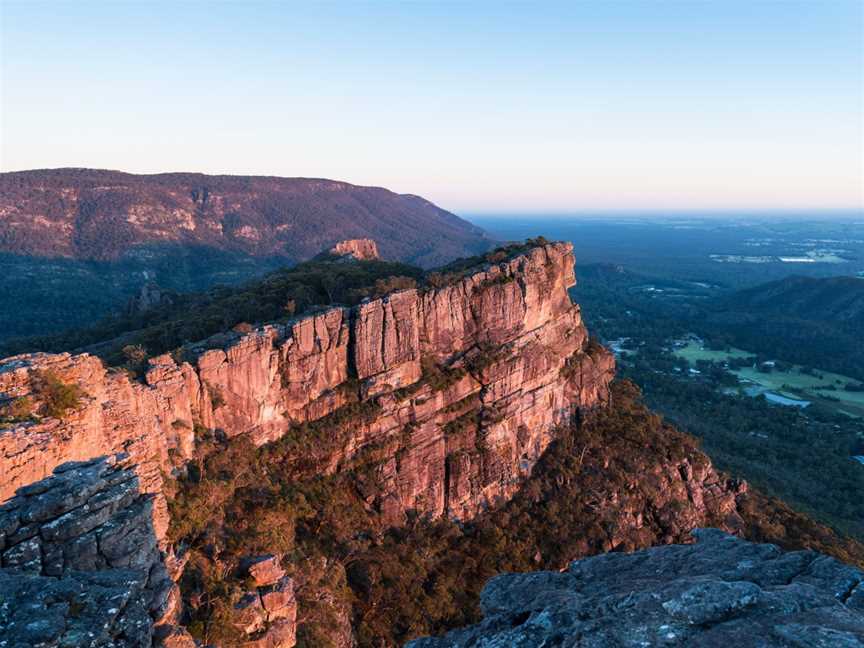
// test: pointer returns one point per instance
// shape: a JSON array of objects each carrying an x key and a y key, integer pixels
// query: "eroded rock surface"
[
  {"x": 80, "y": 561},
  {"x": 719, "y": 592}
]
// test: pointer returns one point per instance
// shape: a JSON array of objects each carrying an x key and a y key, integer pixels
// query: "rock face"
[
  {"x": 358, "y": 249},
  {"x": 719, "y": 592},
  {"x": 80, "y": 561},
  {"x": 149, "y": 297},
  {"x": 460, "y": 387}
]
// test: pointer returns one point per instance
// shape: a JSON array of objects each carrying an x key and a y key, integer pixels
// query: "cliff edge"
[{"x": 719, "y": 592}]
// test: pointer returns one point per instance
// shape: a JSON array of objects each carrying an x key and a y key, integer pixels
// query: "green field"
[
  {"x": 792, "y": 384},
  {"x": 693, "y": 352}
]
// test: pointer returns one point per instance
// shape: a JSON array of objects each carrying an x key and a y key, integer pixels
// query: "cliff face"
[
  {"x": 462, "y": 386},
  {"x": 719, "y": 592}
]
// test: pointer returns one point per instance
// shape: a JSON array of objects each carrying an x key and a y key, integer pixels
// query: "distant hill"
[
  {"x": 838, "y": 300},
  {"x": 816, "y": 322},
  {"x": 75, "y": 244},
  {"x": 101, "y": 215}
]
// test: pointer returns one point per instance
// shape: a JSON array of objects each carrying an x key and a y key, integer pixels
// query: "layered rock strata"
[
  {"x": 79, "y": 561},
  {"x": 719, "y": 592},
  {"x": 462, "y": 385}
]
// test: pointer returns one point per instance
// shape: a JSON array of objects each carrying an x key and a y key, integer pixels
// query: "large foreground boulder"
[
  {"x": 80, "y": 563},
  {"x": 720, "y": 591}
]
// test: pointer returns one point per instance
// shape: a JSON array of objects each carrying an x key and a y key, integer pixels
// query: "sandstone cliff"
[
  {"x": 718, "y": 592},
  {"x": 464, "y": 384}
]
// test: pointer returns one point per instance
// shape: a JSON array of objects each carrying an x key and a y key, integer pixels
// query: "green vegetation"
[
  {"x": 793, "y": 381},
  {"x": 453, "y": 272},
  {"x": 56, "y": 397},
  {"x": 217, "y": 400},
  {"x": 128, "y": 340},
  {"x": 694, "y": 352},
  {"x": 17, "y": 410},
  {"x": 194, "y": 317},
  {"x": 440, "y": 377},
  {"x": 803, "y": 457},
  {"x": 483, "y": 356}
]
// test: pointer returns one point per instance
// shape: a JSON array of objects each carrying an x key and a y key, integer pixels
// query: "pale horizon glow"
[{"x": 480, "y": 107}]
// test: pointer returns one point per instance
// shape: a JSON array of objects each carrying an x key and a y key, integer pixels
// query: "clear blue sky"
[{"x": 478, "y": 106}]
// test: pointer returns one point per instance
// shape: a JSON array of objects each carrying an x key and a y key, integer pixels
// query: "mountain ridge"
[
  {"x": 244, "y": 205},
  {"x": 77, "y": 244}
]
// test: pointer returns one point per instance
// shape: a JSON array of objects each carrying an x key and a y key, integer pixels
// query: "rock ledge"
[{"x": 719, "y": 592}]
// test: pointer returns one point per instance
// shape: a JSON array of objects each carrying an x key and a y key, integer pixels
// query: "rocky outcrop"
[
  {"x": 267, "y": 614},
  {"x": 149, "y": 297},
  {"x": 721, "y": 591},
  {"x": 357, "y": 249},
  {"x": 461, "y": 388},
  {"x": 80, "y": 563}
]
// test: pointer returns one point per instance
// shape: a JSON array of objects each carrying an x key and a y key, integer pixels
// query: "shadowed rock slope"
[{"x": 719, "y": 592}]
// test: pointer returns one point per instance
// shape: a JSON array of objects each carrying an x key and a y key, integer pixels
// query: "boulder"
[{"x": 264, "y": 570}]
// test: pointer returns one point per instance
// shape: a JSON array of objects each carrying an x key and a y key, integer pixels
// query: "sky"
[{"x": 479, "y": 107}]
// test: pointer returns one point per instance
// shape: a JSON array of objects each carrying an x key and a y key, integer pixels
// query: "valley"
[
  {"x": 389, "y": 437},
  {"x": 693, "y": 341},
  {"x": 793, "y": 385}
]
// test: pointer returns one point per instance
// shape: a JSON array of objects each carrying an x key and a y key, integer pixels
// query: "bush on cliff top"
[
  {"x": 57, "y": 397},
  {"x": 285, "y": 293}
]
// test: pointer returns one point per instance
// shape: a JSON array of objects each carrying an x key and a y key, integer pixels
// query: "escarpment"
[
  {"x": 462, "y": 385},
  {"x": 321, "y": 471}
]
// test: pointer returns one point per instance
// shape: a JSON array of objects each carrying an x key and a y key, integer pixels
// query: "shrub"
[
  {"x": 483, "y": 357},
  {"x": 217, "y": 400},
  {"x": 135, "y": 356},
  {"x": 16, "y": 411},
  {"x": 57, "y": 397},
  {"x": 440, "y": 377}
]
